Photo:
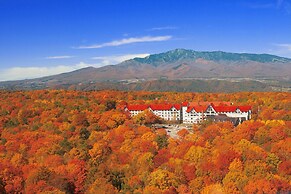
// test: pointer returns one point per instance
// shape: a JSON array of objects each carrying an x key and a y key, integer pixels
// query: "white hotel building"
[{"x": 195, "y": 112}]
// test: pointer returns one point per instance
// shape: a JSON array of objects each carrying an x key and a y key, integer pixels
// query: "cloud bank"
[
  {"x": 60, "y": 57},
  {"x": 127, "y": 41},
  {"x": 19, "y": 73}
]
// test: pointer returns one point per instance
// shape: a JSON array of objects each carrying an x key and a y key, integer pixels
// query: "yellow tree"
[
  {"x": 163, "y": 179},
  {"x": 235, "y": 179}
]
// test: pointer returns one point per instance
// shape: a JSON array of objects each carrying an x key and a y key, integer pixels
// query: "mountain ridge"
[
  {"x": 211, "y": 55},
  {"x": 175, "y": 64}
]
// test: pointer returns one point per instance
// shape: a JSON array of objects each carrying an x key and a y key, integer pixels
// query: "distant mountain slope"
[
  {"x": 180, "y": 54},
  {"x": 173, "y": 65}
]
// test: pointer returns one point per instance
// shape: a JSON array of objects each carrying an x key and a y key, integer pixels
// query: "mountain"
[
  {"x": 180, "y": 54},
  {"x": 178, "y": 64}
]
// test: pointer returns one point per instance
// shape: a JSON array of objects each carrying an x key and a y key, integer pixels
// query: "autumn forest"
[{"x": 57, "y": 141}]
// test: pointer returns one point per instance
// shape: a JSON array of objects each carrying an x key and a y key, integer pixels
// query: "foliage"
[{"x": 84, "y": 142}]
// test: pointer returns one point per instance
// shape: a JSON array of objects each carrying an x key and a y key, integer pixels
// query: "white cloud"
[
  {"x": 59, "y": 57},
  {"x": 128, "y": 41},
  {"x": 163, "y": 28},
  {"x": 115, "y": 59},
  {"x": 286, "y": 47},
  {"x": 18, "y": 73}
]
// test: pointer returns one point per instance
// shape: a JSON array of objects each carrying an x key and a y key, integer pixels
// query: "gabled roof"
[
  {"x": 185, "y": 103},
  {"x": 197, "y": 108},
  {"x": 165, "y": 106},
  {"x": 137, "y": 107},
  {"x": 245, "y": 108},
  {"x": 177, "y": 106},
  {"x": 200, "y": 108},
  {"x": 189, "y": 109}
]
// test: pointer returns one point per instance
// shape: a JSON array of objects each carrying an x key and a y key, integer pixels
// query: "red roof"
[
  {"x": 197, "y": 108},
  {"x": 161, "y": 106},
  {"x": 189, "y": 109},
  {"x": 200, "y": 108},
  {"x": 225, "y": 108},
  {"x": 177, "y": 106},
  {"x": 245, "y": 108},
  {"x": 137, "y": 107},
  {"x": 231, "y": 108},
  {"x": 184, "y": 103},
  {"x": 154, "y": 107}
]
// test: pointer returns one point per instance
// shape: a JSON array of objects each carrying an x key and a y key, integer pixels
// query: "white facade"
[
  {"x": 238, "y": 114},
  {"x": 192, "y": 117},
  {"x": 195, "y": 114},
  {"x": 169, "y": 115}
]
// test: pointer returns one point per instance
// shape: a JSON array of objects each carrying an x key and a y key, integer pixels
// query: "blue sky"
[{"x": 45, "y": 37}]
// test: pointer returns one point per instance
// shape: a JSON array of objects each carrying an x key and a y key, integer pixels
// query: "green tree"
[{"x": 110, "y": 104}]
